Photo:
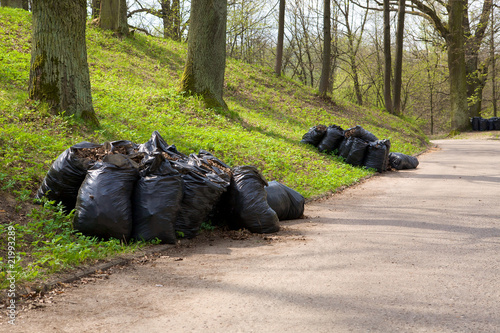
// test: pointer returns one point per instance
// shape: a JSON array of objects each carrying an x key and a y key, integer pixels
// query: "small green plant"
[{"x": 207, "y": 226}]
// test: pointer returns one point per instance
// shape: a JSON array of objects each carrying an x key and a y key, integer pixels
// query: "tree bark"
[
  {"x": 387, "y": 58},
  {"x": 206, "y": 56},
  {"x": 324, "y": 83},
  {"x": 113, "y": 16},
  {"x": 96, "y": 9},
  {"x": 493, "y": 65},
  {"x": 12, "y": 3},
  {"x": 281, "y": 33},
  {"x": 476, "y": 71},
  {"x": 457, "y": 68},
  {"x": 398, "y": 69},
  {"x": 59, "y": 73}
]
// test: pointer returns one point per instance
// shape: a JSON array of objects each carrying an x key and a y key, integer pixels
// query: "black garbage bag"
[
  {"x": 202, "y": 191},
  {"x": 377, "y": 155},
  {"x": 357, "y": 152},
  {"x": 211, "y": 164},
  {"x": 314, "y": 135},
  {"x": 483, "y": 124},
  {"x": 157, "y": 144},
  {"x": 250, "y": 209},
  {"x": 345, "y": 147},
  {"x": 332, "y": 139},
  {"x": 492, "y": 123},
  {"x": 400, "y": 161},
  {"x": 156, "y": 201},
  {"x": 360, "y": 132},
  {"x": 287, "y": 203},
  {"x": 496, "y": 124},
  {"x": 104, "y": 206},
  {"x": 62, "y": 181},
  {"x": 387, "y": 143},
  {"x": 476, "y": 123}
]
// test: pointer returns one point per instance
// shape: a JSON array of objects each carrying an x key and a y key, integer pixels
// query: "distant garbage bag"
[
  {"x": 202, "y": 191},
  {"x": 157, "y": 144},
  {"x": 483, "y": 124},
  {"x": 377, "y": 154},
  {"x": 332, "y": 139},
  {"x": 357, "y": 151},
  {"x": 65, "y": 176},
  {"x": 493, "y": 124},
  {"x": 156, "y": 201},
  {"x": 400, "y": 161},
  {"x": 104, "y": 206},
  {"x": 287, "y": 203},
  {"x": 360, "y": 132},
  {"x": 476, "y": 123},
  {"x": 314, "y": 135},
  {"x": 250, "y": 209}
]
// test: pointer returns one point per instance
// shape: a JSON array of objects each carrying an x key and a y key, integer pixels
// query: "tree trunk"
[
  {"x": 113, "y": 16},
  {"x": 493, "y": 65},
  {"x": 206, "y": 56},
  {"x": 12, "y": 3},
  {"x": 59, "y": 73},
  {"x": 398, "y": 70},
  {"x": 387, "y": 58},
  {"x": 281, "y": 33},
  {"x": 476, "y": 71},
  {"x": 457, "y": 68},
  {"x": 327, "y": 42},
  {"x": 176, "y": 20},
  {"x": 96, "y": 9}
]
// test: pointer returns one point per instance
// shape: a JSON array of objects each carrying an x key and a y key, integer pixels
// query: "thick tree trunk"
[
  {"x": 327, "y": 42},
  {"x": 387, "y": 58},
  {"x": 281, "y": 33},
  {"x": 398, "y": 69},
  {"x": 113, "y": 16},
  {"x": 457, "y": 68},
  {"x": 206, "y": 56},
  {"x": 59, "y": 73}
]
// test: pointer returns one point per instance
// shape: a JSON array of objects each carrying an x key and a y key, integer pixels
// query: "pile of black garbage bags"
[
  {"x": 358, "y": 147},
  {"x": 145, "y": 191},
  {"x": 482, "y": 124}
]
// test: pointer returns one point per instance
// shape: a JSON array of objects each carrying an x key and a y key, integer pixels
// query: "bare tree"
[
  {"x": 494, "y": 100},
  {"x": 324, "y": 83},
  {"x": 281, "y": 32},
  {"x": 387, "y": 58},
  {"x": 398, "y": 69}
]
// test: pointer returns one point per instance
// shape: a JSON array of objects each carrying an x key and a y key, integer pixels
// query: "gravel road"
[{"x": 406, "y": 251}]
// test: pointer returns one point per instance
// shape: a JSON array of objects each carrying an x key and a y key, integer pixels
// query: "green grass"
[{"x": 135, "y": 91}]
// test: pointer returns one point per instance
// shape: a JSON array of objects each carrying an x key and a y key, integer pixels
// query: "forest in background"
[
  {"x": 394, "y": 55},
  {"x": 357, "y": 58}
]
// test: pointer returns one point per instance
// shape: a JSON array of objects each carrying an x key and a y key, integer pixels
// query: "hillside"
[{"x": 134, "y": 86}]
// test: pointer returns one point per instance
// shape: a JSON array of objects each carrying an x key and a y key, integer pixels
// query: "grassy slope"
[{"x": 134, "y": 85}]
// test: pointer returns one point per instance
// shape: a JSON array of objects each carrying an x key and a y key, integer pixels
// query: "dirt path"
[{"x": 408, "y": 251}]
